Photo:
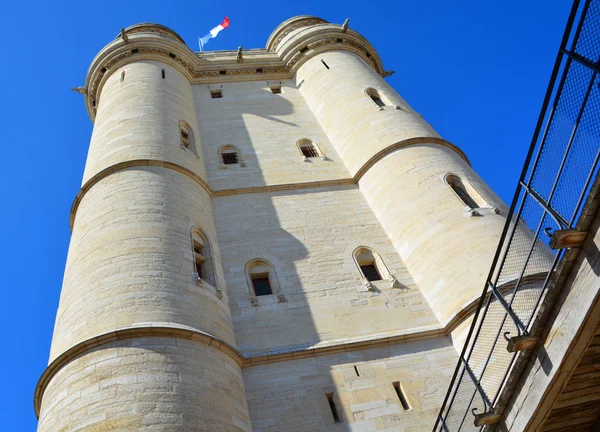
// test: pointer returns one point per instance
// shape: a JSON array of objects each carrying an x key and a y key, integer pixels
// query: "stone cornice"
[
  {"x": 183, "y": 332},
  {"x": 257, "y": 189},
  {"x": 148, "y": 330},
  {"x": 294, "y": 353},
  {"x": 290, "y": 45}
]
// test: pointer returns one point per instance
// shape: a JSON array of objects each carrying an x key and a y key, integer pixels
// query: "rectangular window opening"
[
  {"x": 401, "y": 397},
  {"x": 230, "y": 158},
  {"x": 339, "y": 40},
  {"x": 223, "y": 72},
  {"x": 259, "y": 70},
  {"x": 333, "y": 408},
  {"x": 135, "y": 51},
  {"x": 261, "y": 285},
  {"x": 275, "y": 90},
  {"x": 172, "y": 55},
  {"x": 324, "y": 64},
  {"x": 356, "y": 370},
  {"x": 309, "y": 151},
  {"x": 216, "y": 94},
  {"x": 303, "y": 50},
  {"x": 370, "y": 272}
]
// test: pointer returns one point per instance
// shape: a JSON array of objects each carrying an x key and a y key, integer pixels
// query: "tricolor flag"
[{"x": 213, "y": 33}]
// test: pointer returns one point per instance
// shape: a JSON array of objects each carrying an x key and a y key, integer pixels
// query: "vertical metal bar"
[
  {"x": 486, "y": 400},
  {"x": 456, "y": 389},
  {"x": 571, "y": 139},
  {"x": 562, "y": 50},
  {"x": 587, "y": 184},
  {"x": 547, "y": 97},
  {"x": 544, "y": 286},
  {"x": 534, "y": 165}
]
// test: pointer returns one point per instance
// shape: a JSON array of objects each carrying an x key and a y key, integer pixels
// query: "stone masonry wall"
[
  {"x": 145, "y": 385},
  {"x": 291, "y": 396},
  {"x": 309, "y": 237},
  {"x": 265, "y": 127}
]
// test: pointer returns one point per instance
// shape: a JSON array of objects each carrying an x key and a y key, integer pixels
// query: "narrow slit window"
[
  {"x": 374, "y": 95},
  {"x": 122, "y": 76},
  {"x": 187, "y": 137},
  {"x": 401, "y": 397},
  {"x": 163, "y": 74},
  {"x": 261, "y": 285},
  {"x": 216, "y": 94},
  {"x": 333, "y": 408},
  {"x": 356, "y": 370},
  {"x": 199, "y": 257},
  {"x": 459, "y": 189},
  {"x": 276, "y": 90},
  {"x": 324, "y": 64},
  {"x": 203, "y": 264},
  {"x": 378, "y": 98}
]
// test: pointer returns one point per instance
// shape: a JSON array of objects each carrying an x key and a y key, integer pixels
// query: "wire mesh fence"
[{"x": 560, "y": 167}]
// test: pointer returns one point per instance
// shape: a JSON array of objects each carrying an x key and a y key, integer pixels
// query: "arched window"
[
  {"x": 262, "y": 281},
  {"x": 466, "y": 193},
  {"x": 309, "y": 149},
  {"x": 372, "y": 268},
  {"x": 378, "y": 97},
  {"x": 187, "y": 137},
  {"x": 365, "y": 258},
  {"x": 230, "y": 155},
  {"x": 203, "y": 260}
]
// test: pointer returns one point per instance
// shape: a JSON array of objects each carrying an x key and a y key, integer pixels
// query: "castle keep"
[{"x": 264, "y": 240}]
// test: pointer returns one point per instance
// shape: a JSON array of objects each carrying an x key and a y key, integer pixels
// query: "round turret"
[
  {"x": 143, "y": 302},
  {"x": 401, "y": 165}
]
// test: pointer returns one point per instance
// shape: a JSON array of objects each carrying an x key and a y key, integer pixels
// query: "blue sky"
[{"x": 476, "y": 70}]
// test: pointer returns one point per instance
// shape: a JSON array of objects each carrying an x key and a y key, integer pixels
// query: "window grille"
[{"x": 309, "y": 151}]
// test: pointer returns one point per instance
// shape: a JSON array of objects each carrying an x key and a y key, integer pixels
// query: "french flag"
[{"x": 213, "y": 33}]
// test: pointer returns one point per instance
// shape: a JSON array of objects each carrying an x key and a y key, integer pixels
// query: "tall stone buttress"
[{"x": 145, "y": 341}]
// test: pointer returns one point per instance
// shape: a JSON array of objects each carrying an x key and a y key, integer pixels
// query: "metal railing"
[{"x": 559, "y": 169}]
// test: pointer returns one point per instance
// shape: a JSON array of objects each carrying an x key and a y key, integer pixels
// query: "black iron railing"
[{"x": 560, "y": 167}]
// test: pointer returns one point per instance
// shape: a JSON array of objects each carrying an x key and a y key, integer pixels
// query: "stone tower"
[{"x": 267, "y": 240}]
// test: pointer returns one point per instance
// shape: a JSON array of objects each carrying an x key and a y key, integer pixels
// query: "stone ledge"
[
  {"x": 185, "y": 332},
  {"x": 257, "y": 189}
]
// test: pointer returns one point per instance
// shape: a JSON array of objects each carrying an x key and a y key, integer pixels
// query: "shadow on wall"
[{"x": 292, "y": 281}]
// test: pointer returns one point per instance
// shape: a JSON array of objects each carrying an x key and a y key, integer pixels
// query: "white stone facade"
[{"x": 144, "y": 342}]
